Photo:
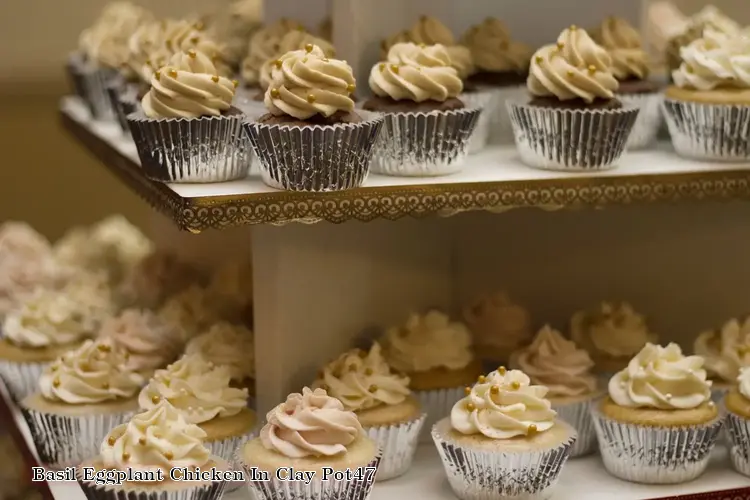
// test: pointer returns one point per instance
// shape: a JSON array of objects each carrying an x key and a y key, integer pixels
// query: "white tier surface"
[{"x": 495, "y": 164}]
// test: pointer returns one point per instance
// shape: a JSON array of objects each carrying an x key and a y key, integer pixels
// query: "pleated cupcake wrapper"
[
  {"x": 21, "y": 379},
  {"x": 95, "y": 82},
  {"x": 398, "y": 443},
  {"x": 226, "y": 449},
  {"x": 654, "y": 455},
  {"x": 74, "y": 70},
  {"x": 738, "y": 431},
  {"x": 424, "y": 144},
  {"x": 123, "y": 100},
  {"x": 501, "y": 127},
  {"x": 93, "y": 491},
  {"x": 571, "y": 139},
  {"x": 437, "y": 404},
  {"x": 187, "y": 150},
  {"x": 485, "y": 100},
  {"x": 709, "y": 131},
  {"x": 317, "y": 489},
  {"x": 579, "y": 416},
  {"x": 492, "y": 475},
  {"x": 315, "y": 158},
  {"x": 649, "y": 120},
  {"x": 63, "y": 440}
]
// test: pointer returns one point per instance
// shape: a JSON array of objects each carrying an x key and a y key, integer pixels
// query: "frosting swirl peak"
[
  {"x": 623, "y": 43},
  {"x": 726, "y": 351},
  {"x": 716, "y": 60},
  {"x": 493, "y": 50}
]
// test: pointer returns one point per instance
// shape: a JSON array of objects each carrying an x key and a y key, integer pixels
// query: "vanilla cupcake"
[
  {"x": 725, "y": 353},
  {"x": 82, "y": 395},
  {"x": 159, "y": 440},
  {"x": 658, "y": 425},
  {"x": 229, "y": 345},
  {"x": 737, "y": 423},
  {"x": 436, "y": 354},
  {"x": 559, "y": 365},
  {"x": 503, "y": 440},
  {"x": 382, "y": 401},
  {"x": 612, "y": 333},
  {"x": 309, "y": 432},
  {"x": 155, "y": 277},
  {"x": 201, "y": 392},
  {"x": 191, "y": 311}
]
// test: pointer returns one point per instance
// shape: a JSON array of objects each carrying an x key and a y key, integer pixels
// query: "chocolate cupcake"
[
  {"x": 573, "y": 94},
  {"x": 311, "y": 139}
]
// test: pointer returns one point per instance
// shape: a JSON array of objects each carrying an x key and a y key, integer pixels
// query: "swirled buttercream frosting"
[
  {"x": 191, "y": 311},
  {"x": 184, "y": 36},
  {"x": 612, "y": 329},
  {"x": 307, "y": 83},
  {"x": 503, "y": 405},
  {"x": 623, "y": 42},
  {"x": 558, "y": 364},
  {"x": 264, "y": 46},
  {"x": 310, "y": 424},
  {"x": 416, "y": 73},
  {"x": 363, "y": 380},
  {"x": 725, "y": 351},
  {"x": 661, "y": 377},
  {"x": 196, "y": 387},
  {"x": 428, "y": 342},
  {"x": 714, "y": 61},
  {"x": 292, "y": 41},
  {"x": 743, "y": 381},
  {"x": 93, "y": 373},
  {"x": 461, "y": 60},
  {"x": 157, "y": 439},
  {"x": 387, "y": 43},
  {"x": 429, "y": 31},
  {"x": 154, "y": 278},
  {"x": 493, "y": 50},
  {"x": 498, "y": 324},
  {"x": 229, "y": 345},
  {"x": 573, "y": 68}
]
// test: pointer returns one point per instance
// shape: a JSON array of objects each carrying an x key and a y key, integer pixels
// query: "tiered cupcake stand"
[{"x": 330, "y": 268}]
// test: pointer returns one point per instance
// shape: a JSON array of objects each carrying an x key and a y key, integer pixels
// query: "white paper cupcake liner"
[
  {"x": 397, "y": 443},
  {"x": 486, "y": 101},
  {"x": 578, "y": 415},
  {"x": 493, "y": 475},
  {"x": 501, "y": 127},
  {"x": 738, "y": 432},
  {"x": 186, "y": 150},
  {"x": 74, "y": 70},
  {"x": 649, "y": 120},
  {"x": 94, "y": 85},
  {"x": 315, "y": 158},
  {"x": 63, "y": 440},
  {"x": 709, "y": 131},
  {"x": 437, "y": 404},
  {"x": 574, "y": 140},
  {"x": 424, "y": 144},
  {"x": 317, "y": 489},
  {"x": 654, "y": 455},
  {"x": 20, "y": 378},
  {"x": 93, "y": 491}
]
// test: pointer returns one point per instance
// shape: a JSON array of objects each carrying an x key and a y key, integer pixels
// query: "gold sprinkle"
[
  {"x": 192, "y": 54},
  {"x": 592, "y": 69},
  {"x": 168, "y": 455},
  {"x": 172, "y": 73},
  {"x": 573, "y": 27},
  {"x": 278, "y": 63},
  {"x": 111, "y": 440},
  {"x": 309, "y": 48},
  {"x": 395, "y": 68},
  {"x": 373, "y": 388},
  {"x": 155, "y": 399},
  {"x": 105, "y": 385},
  {"x": 494, "y": 390},
  {"x": 195, "y": 40},
  {"x": 421, "y": 45},
  {"x": 482, "y": 379},
  {"x": 54, "y": 368},
  {"x": 157, "y": 75},
  {"x": 381, "y": 66},
  {"x": 56, "y": 382},
  {"x": 148, "y": 62},
  {"x": 125, "y": 456},
  {"x": 235, "y": 83},
  {"x": 515, "y": 385},
  {"x": 570, "y": 73},
  {"x": 142, "y": 441},
  {"x": 467, "y": 390},
  {"x": 351, "y": 88},
  {"x": 275, "y": 93},
  {"x": 104, "y": 347},
  {"x": 304, "y": 59},
  {"x": 560, "y": 45},
  {"x": 689, "y": 69},
  {"x": 368, "y": 371},
  {"x": 311, "y": 98},
  {"x": 539, "y": 59},
  {"x": 470, "y": 406},
  {"x": 502, "y": 370},
  {"x": 215, "y": 78},
  {"x": 531, "y": 430}
]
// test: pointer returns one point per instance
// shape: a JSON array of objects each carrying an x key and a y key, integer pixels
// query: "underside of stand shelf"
[{"x": 493, "y": 181}]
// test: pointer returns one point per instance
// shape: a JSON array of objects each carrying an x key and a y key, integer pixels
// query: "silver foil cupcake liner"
[
  {"x": 709, "y": 131},
  {"x": 317, "y": 489},
  {"x": 63, "y": 440},
  {"x": 226, "y": 448},
  {"x": 486, "y": 101},
  {"x": 315, "y": 158},
  {"x": 501, "y": 128},
  {"x": 424, "y": 144},
  {"x": 21, "y": 379},
  {"x": 649, "y": 121},
  {"x": 738, "y": 432},
  {"x": 93, "y": 491},
  {"x": 74, "y": 70},
  {"x": 578, "y": 415},
  {"x": 654, "y": 455},
  {"x": 495, "y": 474},
  {"x": 186, "y": 150},
  {"x": 397, "y": 443},
  {"x": 123, "y": 101},
  {"x": 571, "y": 139},
  {"x": 437, "y": 404},
  {"x": 95, "y": 81}
]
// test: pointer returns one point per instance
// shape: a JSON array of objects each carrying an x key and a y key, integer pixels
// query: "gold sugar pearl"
[
  {"x": 381, "y": 66},
  {"x": 235, "y": 83},
  {"x": 482, "y": 379},
  {"x": 592, "y": 69},
  {"x": 351, "y": 88},
  {"x": 531, "y": 430},
  {"x": 560, "y": 45},
  {"x": 125, "y": 456},
  {"x": 105, "y": 386},
  {"x": 395, "y": 68},
  {"x": 689, "y": 69},
  {"x": 309, "y": 47},
  {"x": 157, "y": 75},
  {"x": 195, "y": 40},
  {"x": 215, "y": 78},
  {"x": 168, "y": 455},
  {"x": 573, "y": 27},
  {"x": 111, "y": 440},
  {"x": 467, "y": 390},
  {"x": 56, "y": 382},
  {"x": 570, "y": 73},
  {"x": 142, "y": 441},
  {"x": 148, "y": 62},
  {"x": 373, "y": 388},
  {"x": 502, "y": 370},
  {"x": 422, "y": 45},
  {"x": 368, "y": 371},
  {"x": 515, "y": 385},
  {"x": 172, "y": 73},
  {"x": 104, "y": 347},
  {"x": 470, "y": 407},
  {"x": 278, "y": 63},
  {"x": 539, "y": 59},
  {"x": 155, "y": 399},
  {"x": 311, "y": 98},
  {"x": 495, "y": 390},
  {"x": 275, "y": 93},
  {"x": 304, "y": 59},
  {"x": 192, "y": 54}
]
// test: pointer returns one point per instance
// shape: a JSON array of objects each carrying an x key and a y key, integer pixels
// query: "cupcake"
[
  {"x": 82, "y": 395},
  {"x": 157, "y": 449},
  {"x": 229, "y": 345},
  {"x": 564, "y": 369},
  {"x": 708, "y": 108},
  {"x": 311, "y": 139},
  {"x": 631, "y": 67},
  {"x": 201, "y": 392},
  {"x": 436, "y": 354},
  {"x": 154, "y": 278},
  {"x": 311, "y": 432},
  {"x": 264, "y": 46},
  {"x": 612, "y": 333},
  {"x": 191, "y": 311},
  {"x": 382, "y": 401},
  {"x": 417, "y": 89},
  {"x": 658, "y": 424},
  {"x": 725, "y": 352},
  {"x": 503, "y": 440},
  {"x": 188, "y": 130},
  {"x": 502, "y": 66},
  {"x": 499, "y": 326},
  {"x": 573, "y": 93},
  {"x": 737, "y": 423}
]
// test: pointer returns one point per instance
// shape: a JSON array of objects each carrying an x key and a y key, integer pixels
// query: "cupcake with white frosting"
[
  {"x": 564, "y": 369},
  {"x": 725, "y": 352},
  {"x": 382, "y": 401},
  {"x": 155, "y": 277},
  {"x": 313, "y": 431},
  {"x": 499, "y": 326},
  {"x": 658, "y": 424},
  {"x": 230, "y": 345},
  {"x": 82, "y": 395},
  {"x": 503, "y": 440},
  {"x": 737, "y": 423},
  {"x": 191, "y": 311},
  {"x": 436, "y": 354},
  {"x": 157, "y": 440}
]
